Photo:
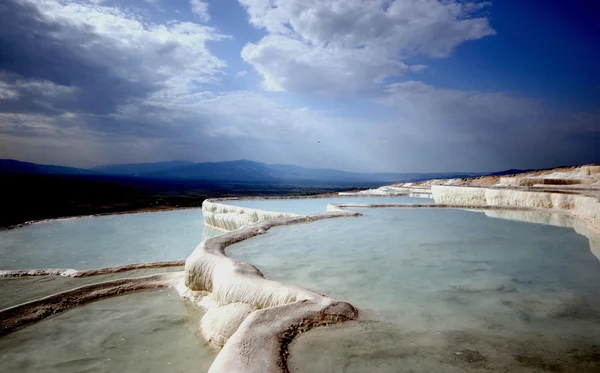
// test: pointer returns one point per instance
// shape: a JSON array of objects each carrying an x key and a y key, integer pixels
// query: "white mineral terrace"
[
  {"x": 241, "y": 286},
  {"x": 229, "y": 218},
  {"x": 382, "y": 191},
  {"x": 253, "y": 318},
  {"x": 581, "y": 206}
]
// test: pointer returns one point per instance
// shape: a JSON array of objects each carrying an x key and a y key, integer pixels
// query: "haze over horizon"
[
  {"x": 363, "y": 86},
  {"x": 179, "y": 164}
]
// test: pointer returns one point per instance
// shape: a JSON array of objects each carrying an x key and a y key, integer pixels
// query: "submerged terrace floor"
[
  {"x": 440, "y": 290},
  {"x": 150, "y": 331},
  {"x": 443, "y": 280}
]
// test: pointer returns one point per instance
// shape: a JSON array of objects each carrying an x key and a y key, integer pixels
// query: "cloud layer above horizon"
[{"x": 358, "y": 85}]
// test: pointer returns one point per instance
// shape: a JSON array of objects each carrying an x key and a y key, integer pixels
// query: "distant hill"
[
  {"x": 257, "y": 172},
  {"x": 136, "y": 169},
  {"x": 292, "y": 172},
  {"x": 240, "y": 171},
  {"x": 232, "y": 171},
  {"x": 18, "y": 167},
  {"x": 249, "y": 171}
]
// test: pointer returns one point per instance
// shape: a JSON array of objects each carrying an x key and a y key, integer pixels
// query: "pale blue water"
[
  {"x": 450, "y": 290},
  {"x": 17, "y": 290},
  {"x": 441, "y": 269},
  {"x": 315, "y": 205},
  {"x": 149, "y": 331},
  {"x": 104, "y": 241}
]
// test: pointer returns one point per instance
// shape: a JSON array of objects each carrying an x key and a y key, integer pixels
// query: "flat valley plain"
[{"x": 30, "y": 197}]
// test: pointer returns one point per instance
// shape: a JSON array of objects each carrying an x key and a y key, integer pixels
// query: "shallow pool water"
[
  {"x": 442, "y": 270},
  {"x": 149, "y": 331},
  {"x": 104, "y": 241},
  {"x": 17, "y": 290},
  {"x": 315, "y": 205},
  {"x": 380, "y": 347}
]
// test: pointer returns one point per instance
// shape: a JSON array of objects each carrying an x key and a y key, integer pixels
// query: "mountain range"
[
  {"x": 240, "y": 171},
  {"x": 18, "y": 167}
]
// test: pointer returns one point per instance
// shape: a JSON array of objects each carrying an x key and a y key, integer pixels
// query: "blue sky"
[{"x": 360, "y": 85}]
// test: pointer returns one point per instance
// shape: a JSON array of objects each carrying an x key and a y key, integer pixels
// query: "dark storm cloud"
[{"x": 35, "y": 48}]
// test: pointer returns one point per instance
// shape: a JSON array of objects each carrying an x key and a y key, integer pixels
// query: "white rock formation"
[
  {"x": 420, "y": 194},
  {"x": 260, "y": 343},
  {"x": 581, "y": 206},
  {"x": 230, "y": 218},
  {"x": 448, "y": 195},
  {"x": 219, "y": 323},
  {"x": 248, "y": 314},
  {"x": 68, "y": 272},
  {"x": 381, "y": 191},
  {"x": 230, "y": 290},
  {"x": 584, "y": 176},
  {"x": 254, "y": 318}
]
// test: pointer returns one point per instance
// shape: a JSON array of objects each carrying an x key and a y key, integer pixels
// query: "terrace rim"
[{"x": 279, "y": 312}]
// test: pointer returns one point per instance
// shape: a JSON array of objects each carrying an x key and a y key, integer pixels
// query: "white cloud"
[
  {"x": 200, "y": 9},
  {"x": 203, "y": 126},
  {"x": 173, "y": 54},
  {"x": 453, "y": 104},
  {"x": 8, "y": 92},
  {"x": 241, "y": 74},
  {"x": 349, "y": 46},
  {"x": 251, "y": 114},
  {"x": 19, "y": 95},
  {"x": 44, "y": 88},
  {"x": 287, "y": 64},
  {"x": 417, "y": 68},
  {"x": 444, "y": 115},
  {"x": 233, "y": 113},
  {"x": 107, "y": 84}
]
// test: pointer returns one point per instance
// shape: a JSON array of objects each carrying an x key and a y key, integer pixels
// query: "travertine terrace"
[{"x": 253, "y": 318}]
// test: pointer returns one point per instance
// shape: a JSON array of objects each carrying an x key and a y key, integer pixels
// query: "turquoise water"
[
  {"x": 315, "y": 205},
  {"x": 149, "y": 331},
  {"x": 440, "y": 290},
  {"x": 442, "y": 270},
  {"x": 104, "y": 241}
]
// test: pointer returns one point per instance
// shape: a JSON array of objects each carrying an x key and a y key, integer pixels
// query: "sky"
[{"x": 357, "y": 85}]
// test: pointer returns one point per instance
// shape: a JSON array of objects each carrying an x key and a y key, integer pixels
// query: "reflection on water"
[
  {"x": 150, "y": 331},
  {"x": 315, "y": 205},
  {"x": 104, "y": 241},
  {"x": 559, "y": 220},
  {"x": 446, "y": 271}
]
